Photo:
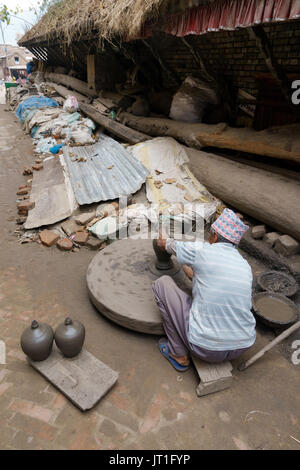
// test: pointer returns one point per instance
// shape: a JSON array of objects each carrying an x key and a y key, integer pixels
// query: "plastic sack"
[
  {"x": 71, "y": 105},
  {"x": 80, "y": 135},
  {"x": 44, "y": 145},
  {"x": 191, "y": 100},
  {"x": 34, "y": 102},
  {"x": 108, "y": 227}
]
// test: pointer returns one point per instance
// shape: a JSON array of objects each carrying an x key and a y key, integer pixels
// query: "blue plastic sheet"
[
  {"x": 34, "y": 102},
  {"x": 56, "y": 149}
]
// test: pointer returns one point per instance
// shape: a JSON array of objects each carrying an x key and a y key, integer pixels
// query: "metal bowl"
[
  {"x": 270, "y": 322},
  {"x": 277, "y": 282}
]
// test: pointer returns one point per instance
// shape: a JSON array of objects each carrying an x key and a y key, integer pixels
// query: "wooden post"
[
  {"x": 204, "y": 72},
  {"x": 162, "y": 63},
  {"x": 91, "y": 72},
  {"x": 258, "y": 33}
]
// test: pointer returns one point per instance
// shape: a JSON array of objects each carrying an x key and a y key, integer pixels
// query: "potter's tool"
[{"x": 284, "y": 335}]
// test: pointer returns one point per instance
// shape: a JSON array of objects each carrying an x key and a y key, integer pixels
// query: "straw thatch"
[{"x": 123, "y": 18}]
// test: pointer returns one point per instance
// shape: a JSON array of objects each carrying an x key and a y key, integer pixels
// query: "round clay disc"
[{"x": 120, "y": 285}]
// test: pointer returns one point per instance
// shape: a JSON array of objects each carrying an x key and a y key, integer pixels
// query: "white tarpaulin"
[{"x": 170, "y": 179}]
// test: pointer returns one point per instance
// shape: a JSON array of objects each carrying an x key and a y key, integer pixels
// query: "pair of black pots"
[{"x": 37, "y": 340}]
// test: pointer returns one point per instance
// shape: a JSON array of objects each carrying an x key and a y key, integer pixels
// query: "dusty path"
[{"x": 152, "y": 407}]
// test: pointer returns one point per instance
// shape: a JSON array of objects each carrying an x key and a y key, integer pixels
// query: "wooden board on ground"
[
  {"x": 84, "y": 380},
  {"x": 121, "y": 131},
  {"x": 213, "y": 377}
]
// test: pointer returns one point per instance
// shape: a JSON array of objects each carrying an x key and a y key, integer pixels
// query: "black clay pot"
[
  {"x": 69, "y": 337},
  {"x": 37, "y": 341}
]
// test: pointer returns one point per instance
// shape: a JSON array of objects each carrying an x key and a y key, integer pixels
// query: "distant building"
[{"x": 13, "y": 60}]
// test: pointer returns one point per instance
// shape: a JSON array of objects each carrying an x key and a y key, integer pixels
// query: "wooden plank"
[
  {"x": 213, "y": 377},
  {"x": 121, "y": 131},
  {"x": 84, "y": 380},
  {"x": 64, "y": 92},
  {"x": 91, "y": 72}
]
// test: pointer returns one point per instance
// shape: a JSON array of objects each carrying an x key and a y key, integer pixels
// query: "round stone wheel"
[{"x": 120, "y": 285}]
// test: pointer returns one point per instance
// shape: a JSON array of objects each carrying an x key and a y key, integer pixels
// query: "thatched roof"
[{"x": 123, "y": 18}]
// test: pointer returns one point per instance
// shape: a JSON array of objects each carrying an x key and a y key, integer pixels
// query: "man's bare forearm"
[{"x": 189, "y": 272}]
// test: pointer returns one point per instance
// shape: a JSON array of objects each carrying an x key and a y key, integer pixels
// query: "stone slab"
[
  {"x": 120, "y": 285},
  {"x": 84, "y": 380}
]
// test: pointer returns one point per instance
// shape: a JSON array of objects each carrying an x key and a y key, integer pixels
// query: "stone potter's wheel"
[{"x": 120, "y": 285}]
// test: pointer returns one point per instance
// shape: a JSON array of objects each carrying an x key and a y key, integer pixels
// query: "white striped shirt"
[{"x": 220, "y": 317}]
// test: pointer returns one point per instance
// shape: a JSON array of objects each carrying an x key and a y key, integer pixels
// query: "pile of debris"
[{"x": 77, "y": 165}]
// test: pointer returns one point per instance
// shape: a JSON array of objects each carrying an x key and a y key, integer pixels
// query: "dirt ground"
[{"x": 152, "y": 406}]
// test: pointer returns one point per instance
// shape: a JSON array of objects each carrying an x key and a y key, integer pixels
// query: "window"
[{"x": 17, "y": 60}]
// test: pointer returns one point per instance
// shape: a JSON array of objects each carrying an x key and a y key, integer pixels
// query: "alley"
[{"x": 152, "y": 406}]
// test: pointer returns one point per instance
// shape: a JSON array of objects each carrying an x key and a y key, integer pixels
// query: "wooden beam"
[
  {"x": 91, "y": 72},
  {"x": 119, "y": 130},
  {"x": 258, "y": 33},
  {"x": 129, "y": 52},
  {"x": 71, "y": 82},
  {"x": 64, "y": 92},
  {"x": 163, "y": 63},
  {"x": 204, "y": 72},
  {"x": 284, "y": 143}
]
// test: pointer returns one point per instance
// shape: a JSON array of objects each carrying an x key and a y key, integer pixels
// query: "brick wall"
[{"x": 231, "y": 54}]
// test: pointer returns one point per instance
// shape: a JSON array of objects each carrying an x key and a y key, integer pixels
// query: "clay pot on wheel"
[
  {"x": 69, "y": 337},
  {"x": 37, "y": 341}
]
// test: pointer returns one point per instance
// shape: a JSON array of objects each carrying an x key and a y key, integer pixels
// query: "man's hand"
[{"x": 189, "y": 272}]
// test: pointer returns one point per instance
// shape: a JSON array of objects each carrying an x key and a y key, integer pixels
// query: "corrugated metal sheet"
[{"x": 103, "y": 171}]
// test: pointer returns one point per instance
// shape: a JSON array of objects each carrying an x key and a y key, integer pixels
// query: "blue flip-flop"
[{"x": 164, "y": 349}]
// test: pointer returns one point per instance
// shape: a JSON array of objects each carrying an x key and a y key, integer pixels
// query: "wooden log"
[
  {"x": 270, "y": 198},
  {"x": 71, "y": 82},
  {"x": 280, "y": 142},
  {"x": 121, "y": 131},
  {"x": 64, "y": 92}
]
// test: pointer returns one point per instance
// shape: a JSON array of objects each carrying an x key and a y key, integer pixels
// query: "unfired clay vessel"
[
  {"x": 163, "y": 261},
  {"x": 37, "y": 341},
  {"x": 69, "y": 337}
]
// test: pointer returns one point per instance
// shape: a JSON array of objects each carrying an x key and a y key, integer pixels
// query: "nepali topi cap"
[{"x": 230, "y": 226}]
